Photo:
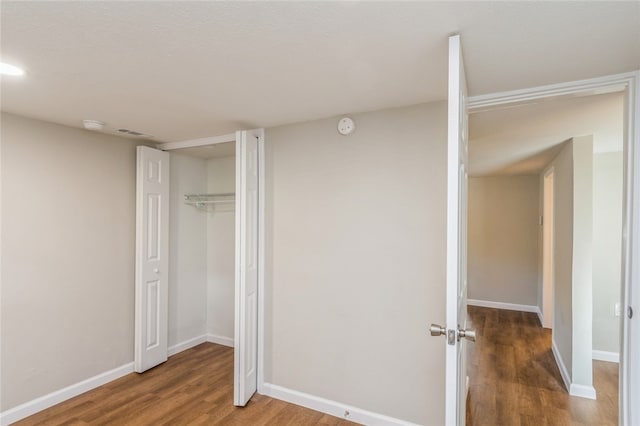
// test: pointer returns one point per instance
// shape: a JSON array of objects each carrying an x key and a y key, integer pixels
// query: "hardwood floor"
[
  {"x": 194, "y": 387},
  {"x": 514, "y": 379}
]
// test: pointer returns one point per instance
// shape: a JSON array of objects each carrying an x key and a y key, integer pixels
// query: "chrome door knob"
[
  {"x": 437, "y": 330},
  {"x": 467, "y": 334}
]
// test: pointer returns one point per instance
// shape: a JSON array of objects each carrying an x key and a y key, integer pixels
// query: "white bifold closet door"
[
  {"x": 152, "y": 258},
  {"x": 246, "y": 294}
]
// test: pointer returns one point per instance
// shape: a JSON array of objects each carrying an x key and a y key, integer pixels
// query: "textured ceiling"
[
  {"x": 524, "y": 139},
  {"x": 182, "y": 70}
]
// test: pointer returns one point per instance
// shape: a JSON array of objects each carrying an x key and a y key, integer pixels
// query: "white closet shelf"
[{"x": 204, "y": 200}]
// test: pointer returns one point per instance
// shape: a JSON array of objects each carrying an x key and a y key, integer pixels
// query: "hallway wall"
[
  {"x": 607, "y": 249},
  {"x": 573, "y": 263},
  {"x": 503, "y": 239}
]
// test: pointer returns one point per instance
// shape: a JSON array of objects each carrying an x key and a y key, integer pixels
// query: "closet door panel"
[
  {"x": 246, "y": 325},
  {"x": 152, "y": 258}
]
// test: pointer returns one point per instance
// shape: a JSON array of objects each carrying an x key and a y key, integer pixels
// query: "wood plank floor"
[
  {"x": 514, "y": 379},
  {"x": 194, "y": 387}
]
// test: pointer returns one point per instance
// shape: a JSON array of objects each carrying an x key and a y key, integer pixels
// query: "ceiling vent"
[{"x": 134, "y": 133}]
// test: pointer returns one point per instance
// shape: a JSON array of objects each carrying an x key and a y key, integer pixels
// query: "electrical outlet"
[{"x": 617, "y": 310}]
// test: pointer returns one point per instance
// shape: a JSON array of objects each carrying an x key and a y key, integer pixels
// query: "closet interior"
[{"x": 202, "y": 244}]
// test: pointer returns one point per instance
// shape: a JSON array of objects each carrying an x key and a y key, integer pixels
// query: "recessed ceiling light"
[{"x": 8, "y": 69}]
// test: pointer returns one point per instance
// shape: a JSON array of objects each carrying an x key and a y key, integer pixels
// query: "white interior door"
[
  {"x": 456, "y": 239},
  {"x": 246, "y": 309},
  {"x": 152, "y": 258}
]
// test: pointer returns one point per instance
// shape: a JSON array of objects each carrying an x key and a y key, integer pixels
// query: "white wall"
[
  {"x": 607, "y": 249},
  {"x": 582, "y": 298},
  {"x": 355, "y": 268},
  {"x": 221, "y": 251},
  {"x": 68, "y": 240},
  {"x": 563, "y": 261},
  {"x": 573, "y": 266},
  {"x": 187, "y": 251},
  {"x": 503, "y": 239}
]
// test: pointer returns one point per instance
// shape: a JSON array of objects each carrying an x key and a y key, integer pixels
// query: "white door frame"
[
  {"x": 629, "y": 83},
  {"x": 231, "y": 137},
  {"x": 548, "y": 249}
]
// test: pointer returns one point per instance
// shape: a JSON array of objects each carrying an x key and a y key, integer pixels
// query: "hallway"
[{"x": 514, "y": 379}]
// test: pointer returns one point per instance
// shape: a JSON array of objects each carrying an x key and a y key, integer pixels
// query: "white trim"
[
  {"x": 261, "y": 254},
  {"x": 187, "y": 344},
  {"x": 583, "y": 391},
  {"x": 220, "y": 340},
  {"x": 592, "y": 86},
  {"x": 192, "y": 143},
  {"x": 605, "y": 356},
  {"x": 333, "y": 408},
  {"x": 31, "y": 407},
  {"x": 563, "y": 370},
  {"x": 504, "y": 305},
  {"x": 540, "y": 318},
  {"x": 630, "y": 341},
  {"x": 34, "y": 406}
]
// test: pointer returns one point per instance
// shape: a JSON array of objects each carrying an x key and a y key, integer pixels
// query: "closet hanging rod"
[
  {"x": 200, "y": 203},
  {"x": 199, "y": 200},
  {"x": 219, "y": 194}
]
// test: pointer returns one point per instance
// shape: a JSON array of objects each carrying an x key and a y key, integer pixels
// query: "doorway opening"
[
  {"x": 566, "y": 310},
  {"x": 202, "y": 237},
  {"x": 210, "y": 219}
]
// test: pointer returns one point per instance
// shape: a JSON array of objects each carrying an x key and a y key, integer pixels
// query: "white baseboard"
[
  {"x": 503, "y": 305},
  {"x": 31, "y": 407},
  {"x": 581, "y": 391},
  {"x": 606, "y": 356},
  {"x": 563, "y": 370},
  {"x": 220, "y": 340},
  {"x": 187, "y": 344},
  {"x": 330, "y": 407}
]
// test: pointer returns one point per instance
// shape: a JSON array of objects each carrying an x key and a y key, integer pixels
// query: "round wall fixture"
[
  {"x": 93, "y": 125},
  {"x": 346, "y": 126}
]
